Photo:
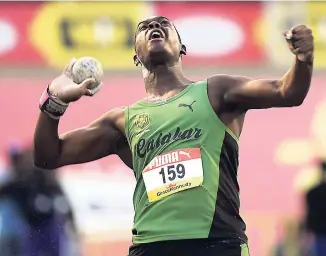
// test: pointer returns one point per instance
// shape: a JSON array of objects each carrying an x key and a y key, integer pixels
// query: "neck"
[{"x": 163, "y": 79}]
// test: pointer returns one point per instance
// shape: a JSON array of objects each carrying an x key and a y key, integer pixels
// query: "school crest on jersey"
[{"x": 142, "y": 122}]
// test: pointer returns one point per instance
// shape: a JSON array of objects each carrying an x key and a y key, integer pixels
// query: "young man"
[{"x": 181, "y": 141}]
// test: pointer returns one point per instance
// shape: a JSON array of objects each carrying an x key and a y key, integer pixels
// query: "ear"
[
  {"x": 183, "y": 50},
  {"x": 136, "y": 60}
]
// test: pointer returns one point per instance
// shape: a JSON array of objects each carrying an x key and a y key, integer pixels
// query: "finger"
[
  {"x": 67, "y": 69},
  {"x": 96, "y": 89},
  {"x": 305, "y": 49},
  {"x": 303, "y": 43},
  {"x": 91, "y": 92},
  {"x": 288, "y": 34},
  {"x": 298, "y": 28},
  {"x": 88, "y": 92},
  {"x": 87, "y": 83},
  {"x": 298, "y": 36},
  {"x": 304, "y": 34},
  {"x": 291, "y": 48},
  {"x": 299, "y": 43}
]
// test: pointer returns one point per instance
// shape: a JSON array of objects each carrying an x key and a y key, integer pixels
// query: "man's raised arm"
[{"x": 288, "y": 91}]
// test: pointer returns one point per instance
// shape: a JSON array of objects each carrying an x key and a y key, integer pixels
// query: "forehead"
[{"x": 153, "y": 18}]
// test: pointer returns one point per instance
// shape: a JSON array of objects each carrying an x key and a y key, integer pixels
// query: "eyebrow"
[{"x": 148, "y": 20}]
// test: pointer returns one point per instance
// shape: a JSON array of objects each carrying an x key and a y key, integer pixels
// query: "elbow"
[
  {"x": 44, "y": 163},
  {"x": 38, "y": 163},
  {"x": 291, "y": 102},
  {"x": 296, "y": 101},
  {"x": 45, "y": 158}
]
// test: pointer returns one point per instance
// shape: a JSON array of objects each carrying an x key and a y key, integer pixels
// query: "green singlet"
[{"x": 185, "y": 161}]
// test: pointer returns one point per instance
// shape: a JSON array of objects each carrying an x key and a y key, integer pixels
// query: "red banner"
[
  {"x": 16, "y": 49},
  {"x": 215, "y": 33},
  {"x": 224, "y": 33}
]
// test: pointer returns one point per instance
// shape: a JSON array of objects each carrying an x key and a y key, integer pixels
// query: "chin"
[
  {"x": 157, "y": 48},
  {"x": 158, "y": 54}
]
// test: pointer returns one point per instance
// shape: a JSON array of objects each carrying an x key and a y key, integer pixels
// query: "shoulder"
[
  {"x": 218, "y": 86},
  {"x": 225, "y": 82},
  {"x": 112, "y": 119},
  {"x": 114, "y": 114}
]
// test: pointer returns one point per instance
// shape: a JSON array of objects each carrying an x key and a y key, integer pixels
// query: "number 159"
[{"x": 172, "y": 172}]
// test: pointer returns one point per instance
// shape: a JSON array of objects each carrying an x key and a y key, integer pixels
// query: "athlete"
[{"x": 181, "y": 141}]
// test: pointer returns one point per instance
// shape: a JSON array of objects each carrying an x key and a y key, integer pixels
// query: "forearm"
[
  {"x": 46, "y": 142},
  {"x": 295, "y": 84}
]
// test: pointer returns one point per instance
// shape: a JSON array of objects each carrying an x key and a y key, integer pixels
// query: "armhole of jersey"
[
  {"x": 219, "y": 122},
  {"x": 126, "y": 116}
]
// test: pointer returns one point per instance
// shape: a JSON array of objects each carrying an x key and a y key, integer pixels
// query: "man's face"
[{"x": 157, "y": 41}]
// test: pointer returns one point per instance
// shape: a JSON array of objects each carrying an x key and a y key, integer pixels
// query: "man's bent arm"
[
  {"x": 82, "y": 145},
  {"x": 288, "y": 91}
]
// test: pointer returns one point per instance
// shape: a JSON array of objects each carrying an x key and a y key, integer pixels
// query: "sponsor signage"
[
  {"x": 217, "y": 33},
  {"x": 103, "y": 30}
]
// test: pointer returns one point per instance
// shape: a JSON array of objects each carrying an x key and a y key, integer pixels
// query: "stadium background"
[{"x": 278, "y": 148}]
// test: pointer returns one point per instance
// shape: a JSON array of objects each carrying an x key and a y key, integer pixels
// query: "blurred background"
[{"x": 87, "y": 209}]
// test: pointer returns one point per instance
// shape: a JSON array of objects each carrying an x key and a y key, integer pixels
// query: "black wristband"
[{"x": 51, "y": 105}]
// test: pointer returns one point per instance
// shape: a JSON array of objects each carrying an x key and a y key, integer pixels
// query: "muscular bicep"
[
  {"x": 256, "y": 94},
  {"x": 89, "y": 143}
]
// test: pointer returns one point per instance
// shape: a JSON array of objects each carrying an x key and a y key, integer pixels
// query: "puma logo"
[
  {"x": 185, "y": 153},
  {"x": 186, "y": 105}
]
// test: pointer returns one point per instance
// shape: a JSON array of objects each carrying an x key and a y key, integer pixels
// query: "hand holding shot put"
[{"x": 82, "y": 77}]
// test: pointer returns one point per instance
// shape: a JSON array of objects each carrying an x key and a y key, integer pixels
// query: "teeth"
[{"x": 156, "y": 34}]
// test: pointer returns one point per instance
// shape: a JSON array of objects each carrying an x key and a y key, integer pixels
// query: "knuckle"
[{"x": 299, "y": 28}]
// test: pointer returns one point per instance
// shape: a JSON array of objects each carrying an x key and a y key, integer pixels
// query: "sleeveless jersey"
[{"x": 185, "y": 161}]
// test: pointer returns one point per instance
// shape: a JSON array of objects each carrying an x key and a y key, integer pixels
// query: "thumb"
[
  {"x": 67, "y": 69},
  {"x": 288, "y": 34}
]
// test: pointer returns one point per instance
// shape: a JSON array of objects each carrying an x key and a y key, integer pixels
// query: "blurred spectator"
[
  {"x": 316, "y": 213},
  {"x": 34, "y": 212},
  {"x": 293, "y": 242}
]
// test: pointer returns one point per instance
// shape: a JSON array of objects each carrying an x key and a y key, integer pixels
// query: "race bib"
[{"x": 173, "y": 172}]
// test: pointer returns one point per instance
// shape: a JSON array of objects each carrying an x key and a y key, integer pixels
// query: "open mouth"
[{"x": 156, "y": 34}]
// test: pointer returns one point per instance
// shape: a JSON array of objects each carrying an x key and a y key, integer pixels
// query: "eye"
[
  {"x": 165, "y": 23},
  {"x": 142, "y": 27}
]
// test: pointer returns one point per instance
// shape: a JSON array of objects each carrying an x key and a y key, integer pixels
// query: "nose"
[{"x": 154, "y": 24}]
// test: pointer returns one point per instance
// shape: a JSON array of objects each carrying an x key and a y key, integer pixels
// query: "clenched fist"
[
  {"x": 301, "y": 42},
  {"x": 64, "y": 88}
]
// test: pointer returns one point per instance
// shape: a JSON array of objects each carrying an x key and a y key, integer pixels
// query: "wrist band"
[{"x": 51, "y": 105}]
